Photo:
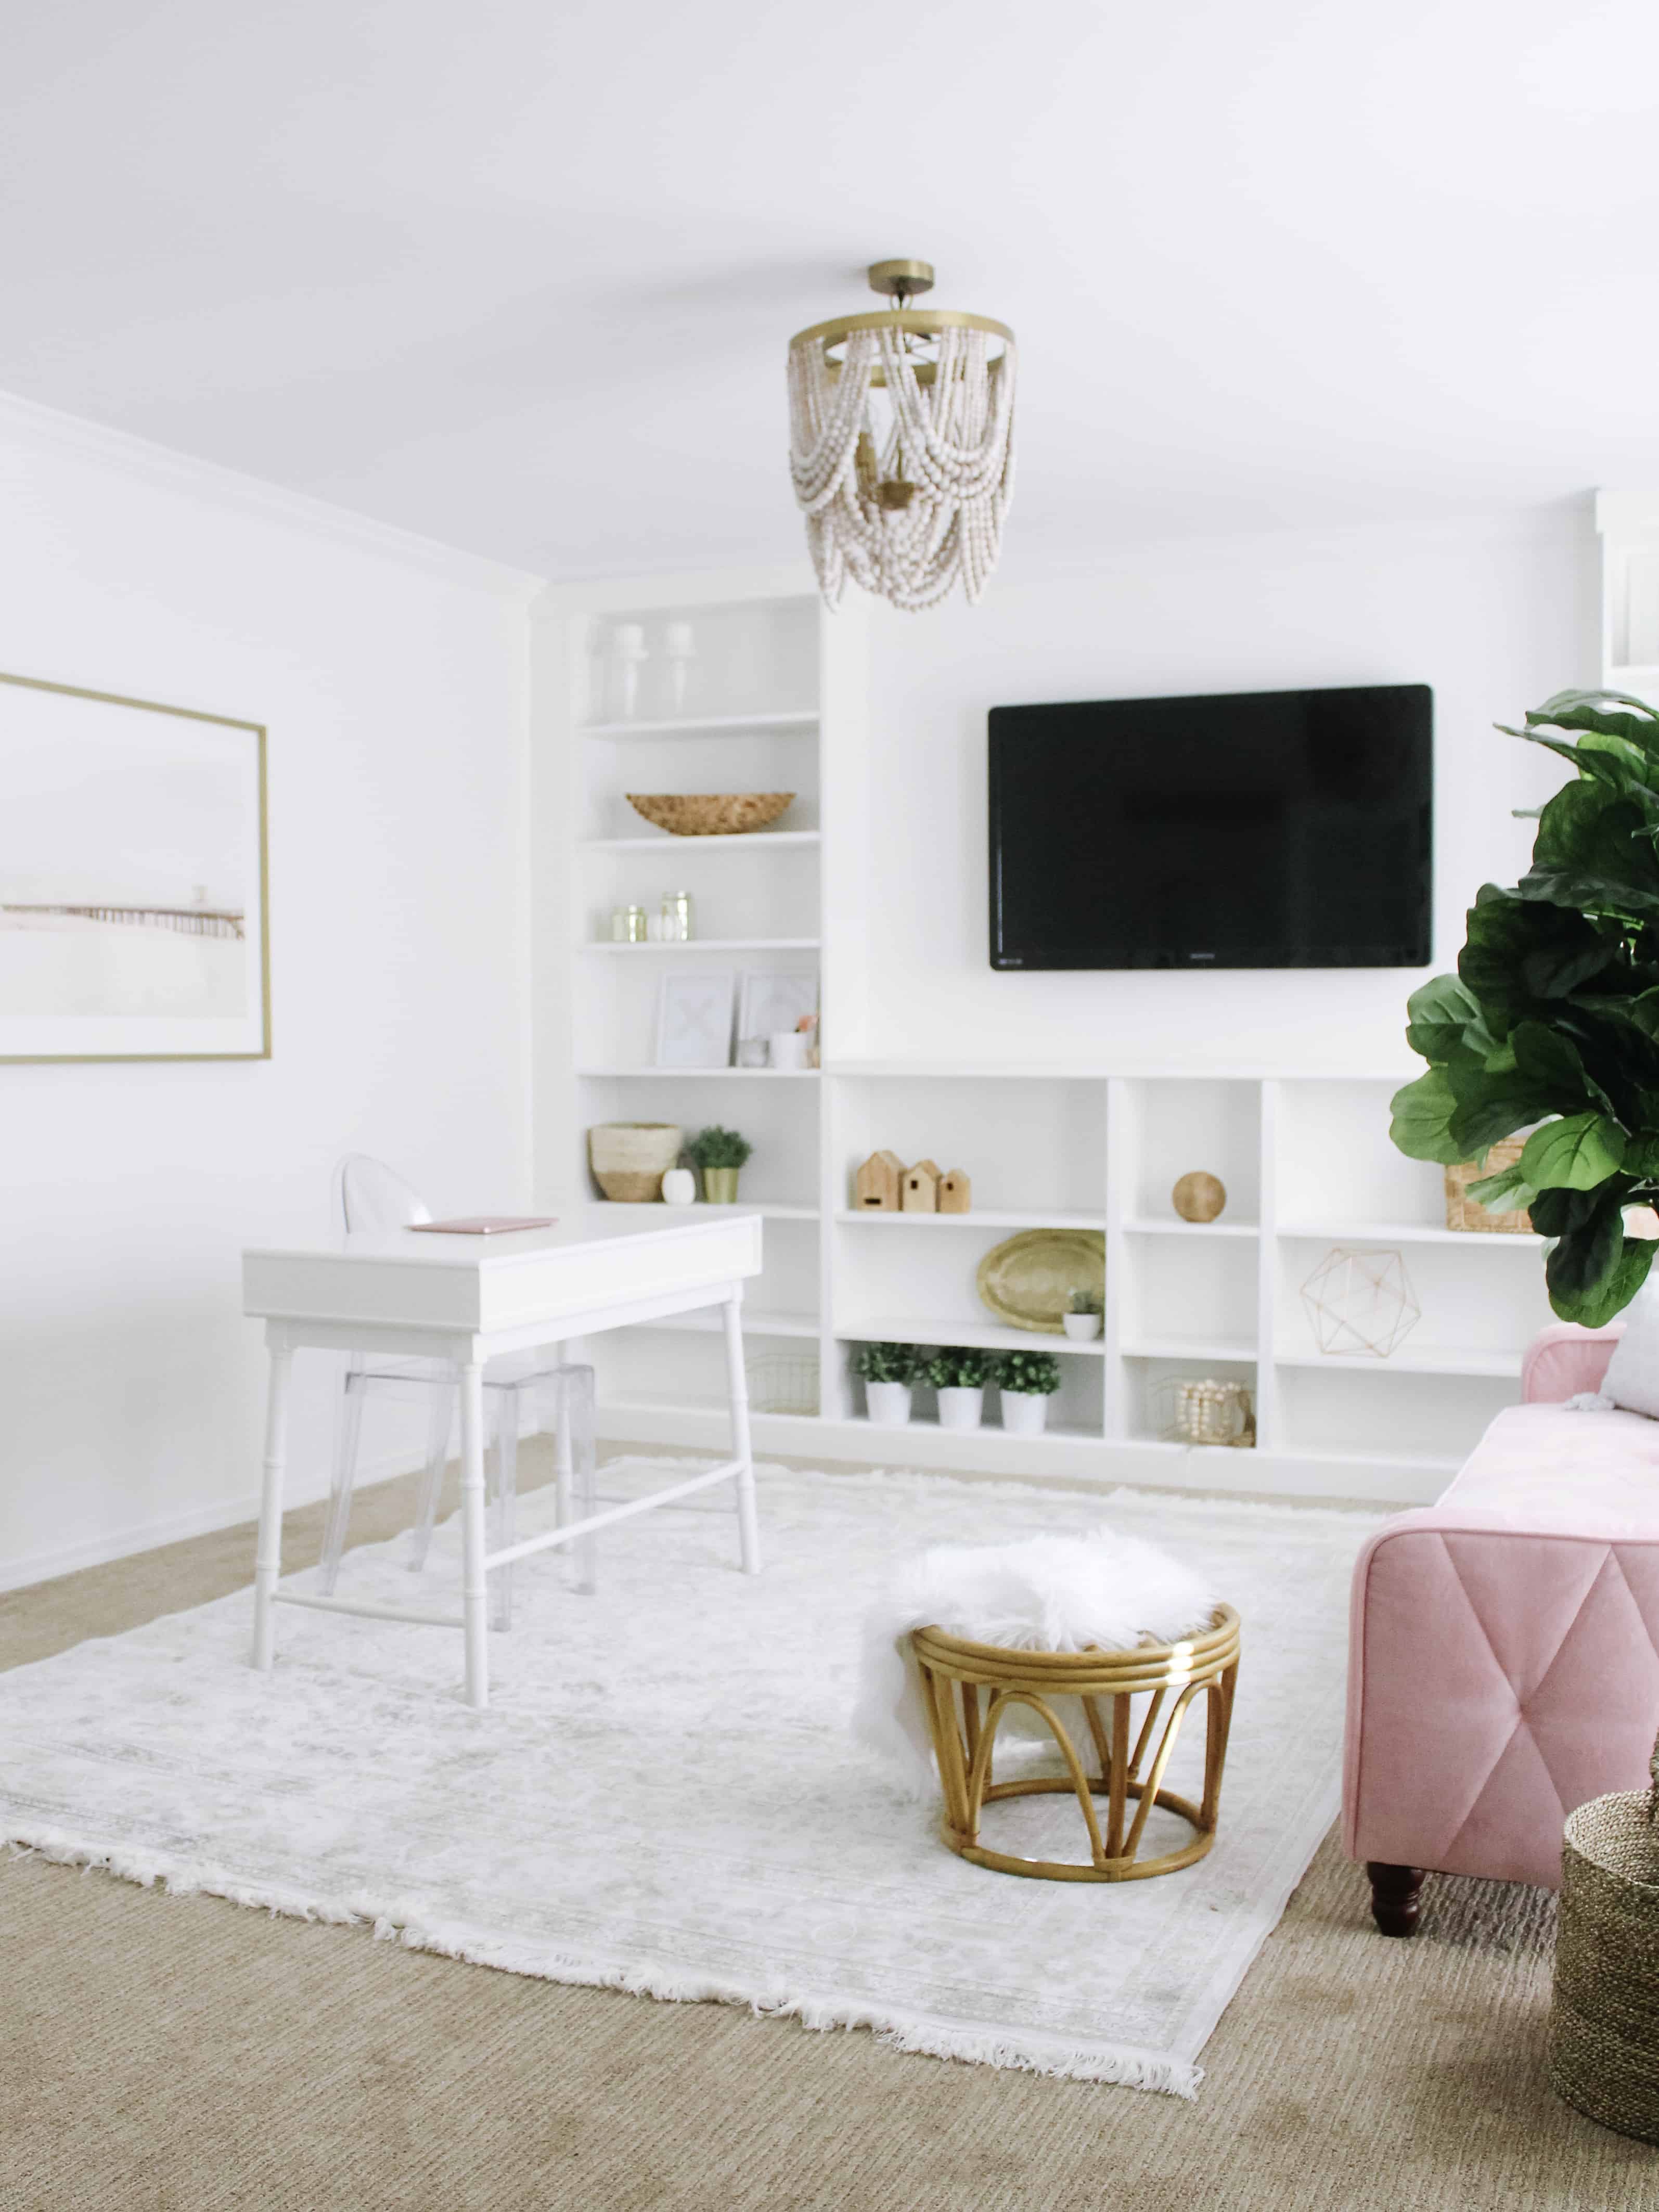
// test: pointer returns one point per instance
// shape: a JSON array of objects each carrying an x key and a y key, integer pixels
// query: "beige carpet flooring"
[{"x": 166, "y": 2054}]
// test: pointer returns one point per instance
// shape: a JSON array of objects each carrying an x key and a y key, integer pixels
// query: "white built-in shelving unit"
[{"x": 778, "y": 704}]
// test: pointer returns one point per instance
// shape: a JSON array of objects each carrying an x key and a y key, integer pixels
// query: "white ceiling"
[{"x": 520, "y": 276}]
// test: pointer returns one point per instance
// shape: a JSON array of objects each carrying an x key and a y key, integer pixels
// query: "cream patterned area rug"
[{"x": 663, "y": 1795}]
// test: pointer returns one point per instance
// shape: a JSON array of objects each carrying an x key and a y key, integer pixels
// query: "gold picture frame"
[{"x": 115, "y": 956}]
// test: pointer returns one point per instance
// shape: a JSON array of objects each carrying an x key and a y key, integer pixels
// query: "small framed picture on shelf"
[
  {"x": 694, "y": 1019},
  {"x": 774, "y": 999}
]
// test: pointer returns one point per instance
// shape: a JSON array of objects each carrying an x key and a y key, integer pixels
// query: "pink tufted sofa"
[{"x": 1504, "y": 1653}]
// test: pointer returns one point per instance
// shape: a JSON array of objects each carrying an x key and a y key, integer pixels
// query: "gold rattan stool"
[{"x": 953, "y": 1673}]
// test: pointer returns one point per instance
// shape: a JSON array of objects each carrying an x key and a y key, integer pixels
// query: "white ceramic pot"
[
  {"x": 889, "y": 1403},
  {"x": 788, "y": 1047},
  {"x": 679, "y": 1187},
  {"x": 1024, "y": 1412},
  {"x": 961, "y": 1409},
  {"x": 1084, "y": 1328}
]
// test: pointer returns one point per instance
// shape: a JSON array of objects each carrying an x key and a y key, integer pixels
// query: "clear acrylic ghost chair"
[{"x": 370, "y": 1200}]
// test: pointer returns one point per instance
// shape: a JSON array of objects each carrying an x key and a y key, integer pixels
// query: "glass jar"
[
  {"x": 676, "y": 917},
  {"x": 628, "y": 924}
]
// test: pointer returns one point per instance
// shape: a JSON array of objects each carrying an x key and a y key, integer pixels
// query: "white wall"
[
  {"x": 392, "y": 678},
  {"x": 1495, "y": 616}
]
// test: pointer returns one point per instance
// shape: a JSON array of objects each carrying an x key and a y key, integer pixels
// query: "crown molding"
[{"x": 27, "y": 424}]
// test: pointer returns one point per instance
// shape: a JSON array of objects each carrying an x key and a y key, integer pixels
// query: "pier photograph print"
[{"x": 132, "y": 879}]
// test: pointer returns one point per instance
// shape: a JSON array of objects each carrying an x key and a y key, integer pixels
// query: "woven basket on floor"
[
  {"x": 1604, "y": 2021},
  {"x": 1463, "y": 1212}
]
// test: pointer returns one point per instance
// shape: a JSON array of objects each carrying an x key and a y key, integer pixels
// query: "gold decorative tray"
[{"x": 1028, "y": 1281}]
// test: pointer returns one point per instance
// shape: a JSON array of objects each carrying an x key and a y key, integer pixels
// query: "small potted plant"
[
  {"x": 959, "y": 1373},
  {"x": 1084, "y": 1321},
  {"x": 887, "y": 1370},
  {"x": 718, "y": 1154},
  {"x": 1027, "y": 1380}
]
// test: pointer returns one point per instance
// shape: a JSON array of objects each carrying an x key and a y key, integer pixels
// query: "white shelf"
[
  {"x": 764, "y": 1207},
  {"x": 1032, "y": 1216},
  {"x": 663, "y": 839},
  {"x": 1055, "y": 1434},
  {"x": 1406, "y": 1232},
  {"x": 1190, "y": 1347},
  {"x": 1193, "y": 1228},
  {"x": 679, "y": 1074},
  {"x": 710, "y": 944},
  {"x": 701, "y": 726},
  {"x": 1429, "y": 1360},
  {"x": 755, "y": 1322},
  {"x": 981, "y": 1336}
]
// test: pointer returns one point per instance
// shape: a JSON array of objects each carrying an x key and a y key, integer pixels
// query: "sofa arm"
[{"x": 1564, "y": 1359}]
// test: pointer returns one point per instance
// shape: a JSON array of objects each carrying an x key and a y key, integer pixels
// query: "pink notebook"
[{"x": 487, "y": 1225}]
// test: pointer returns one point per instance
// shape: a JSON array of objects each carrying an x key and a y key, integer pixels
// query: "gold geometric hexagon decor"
[{"x": 1360, "y": 1302}]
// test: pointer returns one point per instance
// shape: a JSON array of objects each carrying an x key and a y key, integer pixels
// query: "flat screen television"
[{"x": 1248, "y": 829}]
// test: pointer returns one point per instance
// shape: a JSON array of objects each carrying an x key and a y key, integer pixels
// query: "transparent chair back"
[{"x": 370, "y": 1198}]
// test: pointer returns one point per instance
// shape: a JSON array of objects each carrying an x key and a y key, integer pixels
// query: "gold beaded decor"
[{"x": 901, "y": 444}]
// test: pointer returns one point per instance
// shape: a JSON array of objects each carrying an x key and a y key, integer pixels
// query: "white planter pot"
[
  {"x": 889, "y": 1403},
  {"x": 679, "y": 1187},
  {"x": 1024, "y": 1412},
  {"x": 961, "y": 1409},
  {"x": 1083, "y": 1328}
]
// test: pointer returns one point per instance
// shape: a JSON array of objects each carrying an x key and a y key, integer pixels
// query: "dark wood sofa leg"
[{"x": 1396, "y": 1896}]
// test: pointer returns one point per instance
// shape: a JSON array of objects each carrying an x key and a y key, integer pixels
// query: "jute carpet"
[{"x": 164, "y": 2054}]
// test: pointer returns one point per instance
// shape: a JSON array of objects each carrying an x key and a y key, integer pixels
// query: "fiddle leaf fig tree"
[{"x": 1551, "y": 1024}]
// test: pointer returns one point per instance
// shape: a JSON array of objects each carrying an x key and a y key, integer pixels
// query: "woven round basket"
[
  {"x": 709, "y": 813},
  {"x": 1604, "y": 2021}
]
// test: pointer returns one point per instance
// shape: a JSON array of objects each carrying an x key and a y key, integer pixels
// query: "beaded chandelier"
[{"x": 901, "y": 444}]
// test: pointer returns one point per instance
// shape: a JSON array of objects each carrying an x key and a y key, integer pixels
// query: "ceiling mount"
[{"x": 902, "y": 280}]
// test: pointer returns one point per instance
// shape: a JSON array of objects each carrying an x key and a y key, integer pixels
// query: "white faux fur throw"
[{"x": 1047, "y": 1593}]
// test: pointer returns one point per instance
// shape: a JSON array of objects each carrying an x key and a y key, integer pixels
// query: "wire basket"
[{"x": 784, "y": 1385}]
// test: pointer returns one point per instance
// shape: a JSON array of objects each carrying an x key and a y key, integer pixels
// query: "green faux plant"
[
  {"x": 960, "y": 1367},
  {"x": 718, "y": 1148},
  {"x": 887, "y": 1363},
  {"x": 1031, "y": 1374},
  {"x": 1086, "y": 1302},
  {"x": 1552, "y": 1018}
]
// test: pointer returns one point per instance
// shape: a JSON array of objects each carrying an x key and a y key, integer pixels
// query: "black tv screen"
[{"x": 1249, "y": 829}]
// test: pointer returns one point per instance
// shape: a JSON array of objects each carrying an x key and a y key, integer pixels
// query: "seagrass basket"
[
  {"x": 1463, "y": 1212},
  {"x": 1604, "y": 2020}
]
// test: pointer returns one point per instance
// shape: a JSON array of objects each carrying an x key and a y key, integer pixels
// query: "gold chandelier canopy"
[{"x": 901, "y": 443}]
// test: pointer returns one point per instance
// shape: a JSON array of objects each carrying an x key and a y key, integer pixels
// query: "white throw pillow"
[{"x": 1631, "y": 1381}]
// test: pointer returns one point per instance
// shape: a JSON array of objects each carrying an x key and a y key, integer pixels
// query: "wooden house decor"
[
  {"x": 876, "y": 1186},
  {"x": 956, "y": 1193},
  {"x": 920, "y": 1191}
]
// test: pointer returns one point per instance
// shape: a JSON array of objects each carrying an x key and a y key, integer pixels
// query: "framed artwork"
[
  {"x": 133, "y": 879},
  {"x": 775, "y": 999},
  {"x": 694, "y": 1019}
]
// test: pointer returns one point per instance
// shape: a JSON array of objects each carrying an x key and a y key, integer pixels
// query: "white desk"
[{"x": 465, "y": 1299}]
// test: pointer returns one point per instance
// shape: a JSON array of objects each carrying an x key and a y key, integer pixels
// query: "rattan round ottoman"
[{"x": 969, "y": 1688}]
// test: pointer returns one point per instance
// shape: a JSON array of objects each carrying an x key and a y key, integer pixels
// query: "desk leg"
[
  {"x": 473, "y": 1601},
  {"x": 268, "y": 1559},
  {"x": 736, "y": 1384}
]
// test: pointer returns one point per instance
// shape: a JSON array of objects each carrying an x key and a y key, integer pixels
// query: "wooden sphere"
[{"x": 1199, "y": 1197}]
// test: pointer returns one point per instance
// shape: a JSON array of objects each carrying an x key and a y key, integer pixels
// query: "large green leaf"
[
  {"x": 1613, "y": 762},
  {"x": 1442, "y": 1014},
  {"x": 1595, "y": 1274},
  {"x": 1519, "y": 953},
  {"x": 1422, "y": 1112},
  {"x": 1593, "y": 854},
  {"x": 1590, "y": 710},
  {"x": 1547, "y": 1060},
  {"x": 1575, "y": 1153},
  {"x": 1508, "y": 1191}
]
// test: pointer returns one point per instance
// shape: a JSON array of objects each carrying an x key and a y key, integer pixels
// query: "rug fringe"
[{"x": 1119, "y": 2064}]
